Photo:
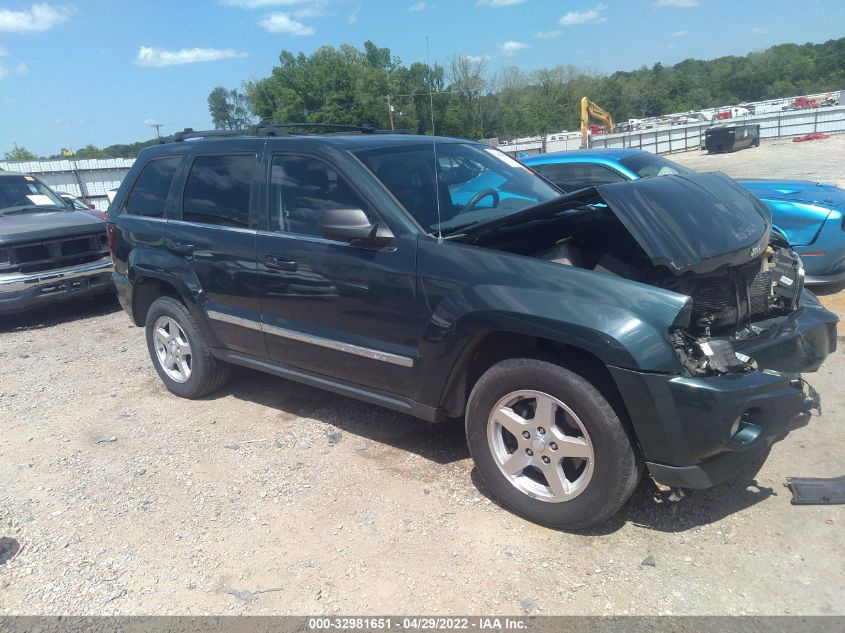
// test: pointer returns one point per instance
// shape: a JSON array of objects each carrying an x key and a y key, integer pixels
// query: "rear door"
[
  {"x": 214, "y": 231},
  {"x": 331, "y": 307}
]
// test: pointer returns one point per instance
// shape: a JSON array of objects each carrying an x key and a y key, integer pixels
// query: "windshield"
[
  {"x": 18, "y": 192},
  {"x": 647, "y": 165},
  {"x": 76, "y": 203},
  {"x": 475, "y": 184}
]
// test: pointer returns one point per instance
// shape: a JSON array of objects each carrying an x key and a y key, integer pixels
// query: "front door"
[{"x": 330, "y": 307}]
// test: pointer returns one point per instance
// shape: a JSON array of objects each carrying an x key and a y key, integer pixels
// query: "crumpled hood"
[
  {"x": 46, "y": 225},
  {"x": 696, "y": 222},
  {"x": 796, "y": 191}
]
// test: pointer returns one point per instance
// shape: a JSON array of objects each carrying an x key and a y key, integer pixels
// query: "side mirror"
[{"x": 352, "y": 225}]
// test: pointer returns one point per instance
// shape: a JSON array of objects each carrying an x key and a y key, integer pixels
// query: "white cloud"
[
  {"x": 683, "y": 4},
  {"x": 316, "y": 10},
  {"x": 498, "y": 3},
  {"x": 20, "y": 69},
  {"x": 39, "y": 17},
  {"x": 418, "y": 6},
  {"x": 547, "y": 35},
  {"x": 584, "y": 17},
  {"x": 283, "y": 23},
  {"x": 353, "y": 18},
  {"x": 150, "y": 122},
  {"x": 3, "y": 52},
  {"x": 510, "y": 48},
  {"x": 679, "y": 33},
  {"x": 476, "y": 59},
  {"x": 159, "y": 57},
  {"x": 759, "y": 30}
]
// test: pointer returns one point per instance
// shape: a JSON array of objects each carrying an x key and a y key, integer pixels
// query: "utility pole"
[
  {"x": 390, "y": 112},
  {"x": 157, "y": 126}
]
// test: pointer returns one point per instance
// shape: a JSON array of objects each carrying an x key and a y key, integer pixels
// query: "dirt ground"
[{"x": 273, "y": 498}]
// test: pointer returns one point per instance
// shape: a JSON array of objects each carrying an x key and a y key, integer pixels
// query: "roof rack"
[{"x": 280, "y": 129}]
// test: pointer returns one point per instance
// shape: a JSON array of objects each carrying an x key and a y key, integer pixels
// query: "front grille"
[
  {"x": 47, "y": 255},
  {"x": 31, "y": 253},
  {"x": 75, "y": 247}
]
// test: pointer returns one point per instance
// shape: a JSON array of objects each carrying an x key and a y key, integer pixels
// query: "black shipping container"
[{"x": 730, "y": 138}]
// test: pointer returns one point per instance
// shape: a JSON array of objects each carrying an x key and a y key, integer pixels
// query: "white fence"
[
  {"x": 680, "y": 138},
  {"x": 89, "y": 179}
]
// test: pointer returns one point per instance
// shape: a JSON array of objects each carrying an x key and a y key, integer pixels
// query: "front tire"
[
  {"x": 549, "y": 445},
  {"x": 179, "y": 352}
]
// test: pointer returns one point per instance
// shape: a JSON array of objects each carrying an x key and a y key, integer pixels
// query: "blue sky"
[{"x": 100, "y": 71}]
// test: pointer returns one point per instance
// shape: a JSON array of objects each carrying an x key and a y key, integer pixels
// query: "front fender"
[
  {"x": 621, "y": 322},
  {"x": 800, "y": 222},
  {"x": 613, "y": 333}
]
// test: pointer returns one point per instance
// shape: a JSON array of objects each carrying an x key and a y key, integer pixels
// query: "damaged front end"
[
  {"x": 747, "y": 331},
  {"x": 731, "y": 307}
]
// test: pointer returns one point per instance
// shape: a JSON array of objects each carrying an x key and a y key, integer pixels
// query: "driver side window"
[{"x": 301, "y": 188}]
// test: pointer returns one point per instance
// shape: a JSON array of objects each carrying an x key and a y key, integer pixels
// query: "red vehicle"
[{"x": 805, "y": 103}]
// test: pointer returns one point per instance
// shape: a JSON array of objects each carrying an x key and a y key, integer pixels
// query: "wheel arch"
[
  {"x": 488, "y": 348},
  {"x": 146, "y": 288}
]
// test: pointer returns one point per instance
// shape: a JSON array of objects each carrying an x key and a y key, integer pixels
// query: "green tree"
[
  {"x": 20, "y": 153},
  {"x": 229, "y": 109}
]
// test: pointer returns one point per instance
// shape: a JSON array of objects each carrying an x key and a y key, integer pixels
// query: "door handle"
[
  {"x": 180, "y": 248},
  {"x": 280, "y": 263}
]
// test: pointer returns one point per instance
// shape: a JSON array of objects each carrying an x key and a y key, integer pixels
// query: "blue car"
[{"x": 810, "y": 215}]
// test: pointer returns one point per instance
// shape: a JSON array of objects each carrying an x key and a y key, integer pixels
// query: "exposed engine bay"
[
  {"x": 725, "y": 306},
  {"x": 739, "y": 299}
]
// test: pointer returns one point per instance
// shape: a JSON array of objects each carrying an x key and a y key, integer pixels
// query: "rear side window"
[
  {"x": 149, "y": 193},
  {"x": 218, "y": 190},
  {"x": 575, "y": 176}
]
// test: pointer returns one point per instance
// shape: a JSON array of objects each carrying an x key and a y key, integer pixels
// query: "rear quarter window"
[{"x": 148, "y": 197}]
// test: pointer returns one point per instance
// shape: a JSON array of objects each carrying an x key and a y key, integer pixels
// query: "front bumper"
[
  {"x": 696, "y": 432},
  {"x": 20, "y": 291}
]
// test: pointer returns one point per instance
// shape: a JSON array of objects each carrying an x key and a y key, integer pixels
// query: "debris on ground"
[
  {"x": 816, "y": 491},
  {"x": 9, "y": 550},
  {"x": 246, "y": 596},
  {"x": 528, "y": 605},
  {"x": 649, "y": 561},
  {"x": 105, "y": 439},
  {"x": 814, "y": 136}
]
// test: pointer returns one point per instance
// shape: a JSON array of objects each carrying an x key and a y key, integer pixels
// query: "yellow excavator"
[{"x": 590, "y": 109}]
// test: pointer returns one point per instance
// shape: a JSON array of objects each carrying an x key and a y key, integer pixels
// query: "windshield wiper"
[
  {"x": 31, "y": 207},
  {"x": 452, "y": 230}
]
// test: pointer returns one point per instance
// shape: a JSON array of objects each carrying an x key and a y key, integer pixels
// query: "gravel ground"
[{"x": 273, "y": 498}]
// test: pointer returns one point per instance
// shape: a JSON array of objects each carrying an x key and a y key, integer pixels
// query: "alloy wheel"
[
  {"x": 173, "y": 350},
  {"x": 541, "y": 446}
]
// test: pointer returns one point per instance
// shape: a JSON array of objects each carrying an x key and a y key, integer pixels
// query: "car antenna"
[
  {"x": 437, "y": 191},
  {"x": 434, "y": 140}
]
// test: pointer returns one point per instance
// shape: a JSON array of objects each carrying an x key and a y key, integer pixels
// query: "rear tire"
[
  {"x": 548, "y": 445},
  {"x": 179, "y": 352}
]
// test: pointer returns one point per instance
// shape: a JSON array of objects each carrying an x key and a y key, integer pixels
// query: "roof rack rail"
[{"x": 280, "y": 129}]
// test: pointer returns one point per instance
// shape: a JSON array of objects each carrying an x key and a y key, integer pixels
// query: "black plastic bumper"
[
  {"x": 696, "y": 432},
  {"x": 23, "y": 292}
]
